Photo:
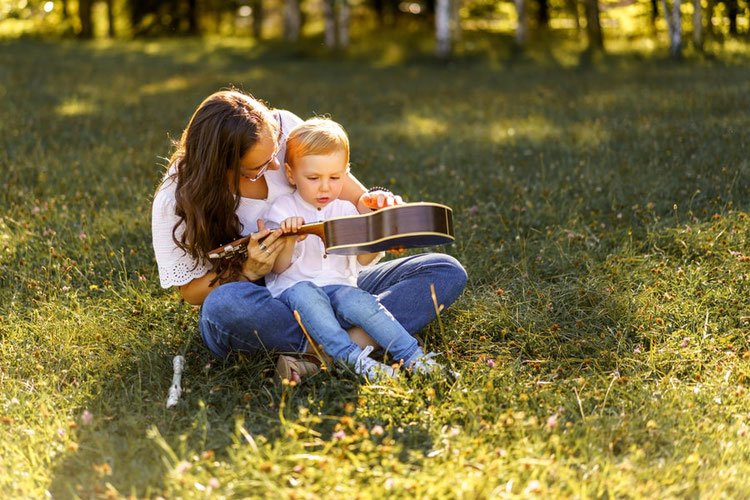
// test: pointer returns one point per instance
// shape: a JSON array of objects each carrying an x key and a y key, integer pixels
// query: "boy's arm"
[
  {"x": 284, "y": 260},
  {"x": 289, "y": 226}
]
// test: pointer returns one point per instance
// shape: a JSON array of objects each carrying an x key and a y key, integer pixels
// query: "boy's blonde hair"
[{"x": 316, "y": 136}]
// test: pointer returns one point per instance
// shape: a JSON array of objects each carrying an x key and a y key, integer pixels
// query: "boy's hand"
[
  {"x": 292, "y": 224},
  {"x": 380, "y": 199}
]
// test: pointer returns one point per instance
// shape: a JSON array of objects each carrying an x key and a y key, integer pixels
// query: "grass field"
[{"x": 603, "y": 339}]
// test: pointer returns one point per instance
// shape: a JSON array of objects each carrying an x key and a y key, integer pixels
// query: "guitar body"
[{"x": 413, "y": 225}]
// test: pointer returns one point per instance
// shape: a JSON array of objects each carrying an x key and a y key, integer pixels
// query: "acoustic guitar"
[{"x": 411, "y": 225}]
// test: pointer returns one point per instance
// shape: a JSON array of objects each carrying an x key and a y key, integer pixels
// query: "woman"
[{"x": 222, "y": 177}]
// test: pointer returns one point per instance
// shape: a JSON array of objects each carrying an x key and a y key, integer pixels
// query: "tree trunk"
[
  {"x": 443, "y": 28},
  {"x": 522, "y": 25},
  {"x": 192, "y": 17},
  {"x": 257, "y": 6},
  {"x": 343, "y": 23},
  {"x": 572, "y": 6},
  {"x": 697, "y": 25},
  {"x": 654, "y": 13},
  {"x": 330, "y": 24},
  {"x": 542, "y": 16},
  {"x": 593, "y": 26},
  {"x": 379, "y": 7},
  {"x": 65, "y": 12},
  {"x": 110, "y": 19},
  {"x": 292, "y": 20},
  {"x": 677, "y": 18},
  {"x": 456, "y": 30},
  {"x": 709, "y": 19},
  {"x": 674, "y": 28},
  {"x": 84, "y": 14},
  {"x": 732, "y": 10}
]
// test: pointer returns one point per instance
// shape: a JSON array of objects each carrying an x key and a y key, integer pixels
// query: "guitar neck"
[
  {"x": 240, "y": 245},
  {"x": 315, "y": 228}
]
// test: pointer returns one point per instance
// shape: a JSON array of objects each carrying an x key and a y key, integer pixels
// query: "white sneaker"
[
  {"x": 425, "y": 364},
  {"x": 371, "y": 369}
]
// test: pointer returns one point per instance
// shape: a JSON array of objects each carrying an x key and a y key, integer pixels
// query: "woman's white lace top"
[{"x": 176, "y": 267}]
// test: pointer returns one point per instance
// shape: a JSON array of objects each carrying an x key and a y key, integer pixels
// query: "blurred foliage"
[{"x": 137, "y": 18}]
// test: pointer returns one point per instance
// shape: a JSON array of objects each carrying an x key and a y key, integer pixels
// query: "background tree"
[
  {"x": 711, "y": 7},
  {"x": 732, "y": 12},
  {"x": 456, "y": 29},
  {"x": 110, "y": 19},
  {"x": 84, "y": 16},
  {"x": 572, "y": 7},
  {"x": 337, "y": 14},
  {"x": 698, "y": 24},
  {"x": 159, "y": 17},
  {"x": 522, "y": 25},
  {"x": 593, "y": 26},
  {"x": 674, "y": 27},
  {"x": 654, "y": 15},
  {"x": 292, "y": 20},
  {"x": 343, "y": 23},
  {"x": 89, "y": 18},
  {"x": 443, "y": 28},
  {"x": 542, "y": 14},
  {"x": 257, "y": 11}
]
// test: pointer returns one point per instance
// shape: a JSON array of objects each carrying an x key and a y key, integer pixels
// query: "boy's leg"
[
  {"x": 403, "y": 286},
  {"x": 356, "y": 307},
  {"x": 321, "y": 323}
]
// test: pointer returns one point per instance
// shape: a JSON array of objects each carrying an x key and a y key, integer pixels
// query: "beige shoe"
[{"x": 287, "y": 365}]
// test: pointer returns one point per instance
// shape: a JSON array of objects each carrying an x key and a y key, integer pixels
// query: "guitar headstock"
[{"x": 228, "y": 251}]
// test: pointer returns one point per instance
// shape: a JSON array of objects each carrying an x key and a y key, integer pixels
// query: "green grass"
[{"x": 603, "y": 339}]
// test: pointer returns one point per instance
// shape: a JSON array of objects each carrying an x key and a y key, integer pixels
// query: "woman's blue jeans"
[
  {"x": 243, "y": 316},
  {"x": 328, "y": 310}
]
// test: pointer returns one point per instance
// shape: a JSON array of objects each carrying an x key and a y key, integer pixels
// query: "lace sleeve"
[{"x": 176, "y": 267}]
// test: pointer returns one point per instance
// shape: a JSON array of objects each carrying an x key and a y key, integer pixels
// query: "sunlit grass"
[{"x": 601, "y": 213}]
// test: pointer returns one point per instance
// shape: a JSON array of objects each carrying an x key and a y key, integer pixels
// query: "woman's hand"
[
  {"x": 397, "y": 250},
  {"x": 374, "y": 200},
  {"x": 262, "y": 254},
  {"x": 378, "y": 198}
]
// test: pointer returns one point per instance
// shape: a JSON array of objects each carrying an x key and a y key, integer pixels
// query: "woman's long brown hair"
[{"x": 223, "y": 128}]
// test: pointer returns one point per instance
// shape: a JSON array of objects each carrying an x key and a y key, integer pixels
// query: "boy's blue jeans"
[
  {"x": 327, "y": 311},
  {"x": 243, "y": 316}
]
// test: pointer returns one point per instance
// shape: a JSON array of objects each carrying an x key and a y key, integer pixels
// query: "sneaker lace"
[
  {"x": 426, "y": 364},
  {"x": 365, "y": 365}
]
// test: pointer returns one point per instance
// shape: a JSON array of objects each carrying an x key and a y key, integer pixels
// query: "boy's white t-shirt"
[
  {"x": 309, "y": 260},
  {"x": 176, "y": 267}
]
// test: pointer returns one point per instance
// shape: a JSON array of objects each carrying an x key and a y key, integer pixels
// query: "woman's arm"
[
  {"x": 365, "y": 201},
  {"x": 353, "y": 191},
  {"x": 197, "y": 290},
  {"x": 366, "y": 258}
]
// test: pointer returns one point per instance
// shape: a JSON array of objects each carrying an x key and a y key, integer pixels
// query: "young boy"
[{"x": 322, "y": 287}]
